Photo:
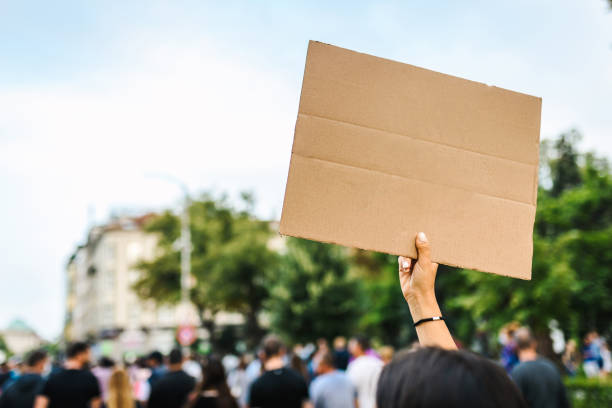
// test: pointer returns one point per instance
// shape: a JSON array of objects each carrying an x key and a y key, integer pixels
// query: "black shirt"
[
  {"x": 540, "y": 383},
  {"x": 171, "y": 390},
  {"x": 71, "y": 389},
  {"x": 207, "y": 401},
  {"x": 282, "y": 388}
]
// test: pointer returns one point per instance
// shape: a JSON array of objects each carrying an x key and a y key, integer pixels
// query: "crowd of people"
[
  {"x": 594, "y": 357},
  {"x": 345, "y": 374}
]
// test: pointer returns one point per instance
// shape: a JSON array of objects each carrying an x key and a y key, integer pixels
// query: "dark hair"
[
  {"x": 213, "y": 378},
  {"x": 433, "y": 377},
  {"x": 272, "y": 346},
  {"x": 156, "y": 356},
  {"x": 106, "y": 362},
  {"x": 35, "y": 357},
  {"x": 76, "y": 348},
  {"x": 363, "y": 342},
  {"x": 175, "y": 356}
]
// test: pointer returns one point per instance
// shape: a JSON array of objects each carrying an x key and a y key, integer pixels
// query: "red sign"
[{"x": 186, "y": 335}]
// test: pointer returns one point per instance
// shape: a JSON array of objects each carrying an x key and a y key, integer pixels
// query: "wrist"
[{"x": 423, "y": 306}]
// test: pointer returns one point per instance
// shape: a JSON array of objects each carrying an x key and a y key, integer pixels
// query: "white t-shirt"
[{"x": 363, "y": 373}]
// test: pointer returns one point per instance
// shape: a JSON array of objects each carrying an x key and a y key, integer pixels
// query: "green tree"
[
  {"x": 572, "y": 261},
  {"x": 230, "y": 261},
  {"x": 314, "y": 294},
  {"x": 4, "y": 347}
]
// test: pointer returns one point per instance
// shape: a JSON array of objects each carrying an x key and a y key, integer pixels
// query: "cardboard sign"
[{"x": 383, "y": 150}]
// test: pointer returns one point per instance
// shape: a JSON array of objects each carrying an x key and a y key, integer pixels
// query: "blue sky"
[{"x": 96, "y": 95}]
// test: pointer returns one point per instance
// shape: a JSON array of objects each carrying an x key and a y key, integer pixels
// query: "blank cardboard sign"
[{"x": 383, "y": 150}]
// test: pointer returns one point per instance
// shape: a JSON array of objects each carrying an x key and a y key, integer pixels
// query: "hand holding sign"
[{"x": 417, "y": 279}]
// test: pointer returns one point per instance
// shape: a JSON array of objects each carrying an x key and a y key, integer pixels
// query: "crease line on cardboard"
[
  {"x": 416, "y": 138},
  {"x": 368, "y": 88},
  {"x": 413, "y": 179}
]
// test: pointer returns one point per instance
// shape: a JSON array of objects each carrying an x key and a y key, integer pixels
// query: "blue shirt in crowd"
[{"x": 332, "y": 390}]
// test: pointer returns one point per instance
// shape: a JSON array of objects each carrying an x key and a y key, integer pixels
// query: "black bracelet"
[{"x": 429, "y": 319}]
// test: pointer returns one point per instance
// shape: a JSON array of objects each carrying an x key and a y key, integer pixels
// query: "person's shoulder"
[
  {"x": 259, "y": 381},
  {"x": 549, "y": 365},
  {"x": 291, "y": 372}
]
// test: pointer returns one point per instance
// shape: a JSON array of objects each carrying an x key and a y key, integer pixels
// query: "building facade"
[
  {"x": 20, "y": 338},
  {"x": 101, "y": 305}
]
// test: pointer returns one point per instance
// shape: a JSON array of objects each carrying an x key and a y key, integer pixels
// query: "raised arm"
[{"x": 417, "y": 279}]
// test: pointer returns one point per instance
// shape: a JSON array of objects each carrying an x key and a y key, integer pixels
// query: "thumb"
[{"x": 423, "y": 248}]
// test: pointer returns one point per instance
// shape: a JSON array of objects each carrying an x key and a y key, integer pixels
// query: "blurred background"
[{"x": 117, "y": 116}]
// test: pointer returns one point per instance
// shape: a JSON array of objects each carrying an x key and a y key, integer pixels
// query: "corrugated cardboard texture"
[{"x": 383, "y": 150}]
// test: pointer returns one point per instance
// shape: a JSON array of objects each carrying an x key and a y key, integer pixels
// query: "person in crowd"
[
  {"x": 213, "y": 391},
  {"x": 139, "y": 375},
  {"x": 509, "y": 353},
  {"x": 102, "y": 372},
  {"x": 299, "y": 366},
  {"x": 591, "y": 354},
  {"x": 571, "y": 358},
  {"x": 386, "y": 354},
  {"x": 15, "y": 367},
  {"x": 437, "y": 374},
  {"x": 173, "y": 388},
  {"x": 341, "y": 353},
  {"x": 192, "y": 367},
  {"x": 278, "y": 386},
  {"x": 22, "y": 393},
  {"x": 606, "y": 359},
  {"x": 322, "y": 348},
  {"x": 73, "y": 386},
  {"x": 237, "y": 379},
  {"x": 5, "y": 373},
  {"x": 120, "y": 394},
  {"x": 252, "y": 373},
  {"x": 331, "y": 388},
  {"x": 536, "y": 376},
  {"x": 156, "y": 364},
  {"x": 363, "y": 371}
]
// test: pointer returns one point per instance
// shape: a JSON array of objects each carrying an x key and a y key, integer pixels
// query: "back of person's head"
[
  {"x": 213, "y": 373},
  {"x": 340, "y": 343},
  {"x": 433, "y": 377},
  {"x": 213, "y": 378},
  {"x": 272, "y": 346},
  {"x": 386, "y": 353},
  {"x": 106, "y": 362},
  {"x": 156, "y": 357},
  {"x": 36, "y": 357},
  {"x": 76, "y": 349},
  {"x": 120, "y": 390},
  {"x": 524, "y": 339},
  {"x": 359, "y": 344},
  {"x": 175, "y": 356},
  {"x": 328, "y": 360}
]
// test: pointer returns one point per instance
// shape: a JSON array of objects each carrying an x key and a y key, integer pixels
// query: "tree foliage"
[
  {"x": 230, "y": 260},
  {"x": 314, "y": 294},
  {"x": 572, "y": 261}
]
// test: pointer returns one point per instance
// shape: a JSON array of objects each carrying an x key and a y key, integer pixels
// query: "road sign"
[{"x": 186, "y": 335}]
